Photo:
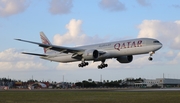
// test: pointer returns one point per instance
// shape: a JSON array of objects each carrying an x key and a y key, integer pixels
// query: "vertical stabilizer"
[{"x": 45, "y": 40}]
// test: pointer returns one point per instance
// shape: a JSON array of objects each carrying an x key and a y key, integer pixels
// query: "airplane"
[{"x": 123, "y": 51}]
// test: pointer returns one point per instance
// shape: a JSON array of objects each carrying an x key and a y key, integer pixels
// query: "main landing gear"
[
  {"x": 102, "y": 65},
  {"x": 83, "y": 64},
  {"x": 151, "y": 53}
]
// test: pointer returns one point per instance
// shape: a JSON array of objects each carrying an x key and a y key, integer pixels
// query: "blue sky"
[{"x": 79, "y": 22}]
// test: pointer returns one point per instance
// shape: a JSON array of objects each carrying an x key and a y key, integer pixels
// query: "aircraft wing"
[
  {"x": 42, "y": 55},
  {"x": 54, "y": 47}
]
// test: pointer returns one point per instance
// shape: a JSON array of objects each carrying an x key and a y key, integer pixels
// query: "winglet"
[{"x": 18, "y": 39}]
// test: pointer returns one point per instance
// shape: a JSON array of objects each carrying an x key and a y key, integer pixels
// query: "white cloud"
[
  {"x": 12, "y": 55},
  {"x": 75, "y": 36},
  {"x": 13, "y": 60},
  {"x": 143, "y": 2},
  {"x": 12, "y": 7},
  {"x": 174, "y": 59},
  {"x": 167, "y": 32},
  {"x": 170, "y": 54},
  {"x": 178, "y": 55},
  {"x": 176, "y": 6},
  {"x": 60, "y": 6},
  {"x": 112, "y": 5}
]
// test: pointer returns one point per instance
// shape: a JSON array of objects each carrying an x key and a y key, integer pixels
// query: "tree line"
[{"x": 84, "y": 84}]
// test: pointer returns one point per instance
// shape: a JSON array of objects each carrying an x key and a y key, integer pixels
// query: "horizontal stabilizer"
[{"x": 42, "y": 55}]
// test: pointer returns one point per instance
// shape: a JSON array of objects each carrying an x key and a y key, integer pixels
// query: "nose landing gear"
[{"x": 151, "y": 53}]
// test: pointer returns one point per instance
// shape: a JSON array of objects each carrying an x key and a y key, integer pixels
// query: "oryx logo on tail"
[{"x": 44, "y": 40}]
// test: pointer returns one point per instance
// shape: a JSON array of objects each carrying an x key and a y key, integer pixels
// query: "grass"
[{"x": 88, "y": 97}]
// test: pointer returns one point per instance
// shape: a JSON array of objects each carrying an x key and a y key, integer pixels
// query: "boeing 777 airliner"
[{"x": 122, "y": 51}]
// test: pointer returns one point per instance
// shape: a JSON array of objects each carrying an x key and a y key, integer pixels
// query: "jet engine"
[
  {"x": 90, "y": 54},
  {"x": 125, "y": 59}
]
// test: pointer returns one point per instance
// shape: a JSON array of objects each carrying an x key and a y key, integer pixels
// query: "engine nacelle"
[
  {"x": 90, "y": 54},
  {"x": 125, "y": 59}
]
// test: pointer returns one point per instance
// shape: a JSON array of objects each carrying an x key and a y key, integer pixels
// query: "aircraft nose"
[{"x": 159, "y": 46}]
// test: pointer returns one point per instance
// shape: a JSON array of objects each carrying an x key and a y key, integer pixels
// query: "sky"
[{"x": 81, "y": 22}]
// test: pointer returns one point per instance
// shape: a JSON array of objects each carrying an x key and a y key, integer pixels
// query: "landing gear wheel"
[
  {"x": 83, "y": 64},
  {"x": 150, "y": 58},
  {"x": 102, "y": 66},
  {"x": 79, "y": 65},
  {"x": 86, "y": 63},
  {"x": 99, "y": 67}
]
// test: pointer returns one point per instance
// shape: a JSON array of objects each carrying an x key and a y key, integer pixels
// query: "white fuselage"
[{"x": 112, "y": 49}]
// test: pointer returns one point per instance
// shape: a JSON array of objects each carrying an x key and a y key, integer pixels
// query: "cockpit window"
[{"x": 156, "y": 42}]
